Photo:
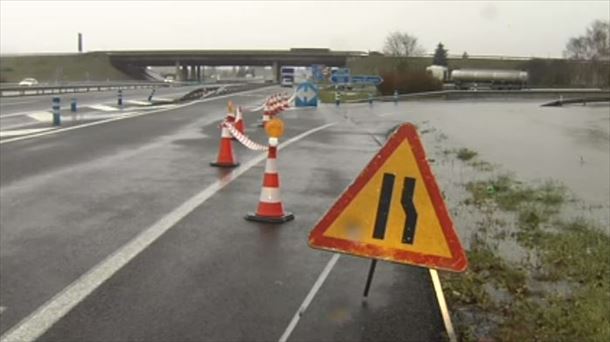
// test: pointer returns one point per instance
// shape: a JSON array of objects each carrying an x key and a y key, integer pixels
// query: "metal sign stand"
[{"x": 369, "y": 279}]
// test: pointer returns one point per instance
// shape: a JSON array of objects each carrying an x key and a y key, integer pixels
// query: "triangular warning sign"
[{"x": 394, "y": 211}]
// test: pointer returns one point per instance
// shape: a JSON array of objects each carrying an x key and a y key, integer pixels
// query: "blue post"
[
  {"x": 370, "y": 99},
  {"x": 120, "y": 98},
  {"x": 151, "y": 95},
  {"x": 56, "y": 112},
  {"x": 73, "y": 108},
  {"x": 395, "y": 96}
]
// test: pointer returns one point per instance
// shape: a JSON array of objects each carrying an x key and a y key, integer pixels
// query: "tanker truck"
[{"x": 489, "y": 79}]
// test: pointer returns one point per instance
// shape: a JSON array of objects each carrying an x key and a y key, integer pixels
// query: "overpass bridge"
[{"x": 189, "y": 63}]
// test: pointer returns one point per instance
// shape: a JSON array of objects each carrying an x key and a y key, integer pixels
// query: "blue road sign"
[
  {"x": 317, "y": 72},
  {"x": 367, "y": 79},
  {"x": 306, "y": 95},
  {"x": 341, "y": 76}
]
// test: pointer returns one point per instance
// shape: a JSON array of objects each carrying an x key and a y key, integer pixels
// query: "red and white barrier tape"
[{"x": 244, "y": 140}]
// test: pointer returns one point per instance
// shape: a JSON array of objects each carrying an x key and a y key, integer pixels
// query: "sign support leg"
[{"x": 369, "y": 278}]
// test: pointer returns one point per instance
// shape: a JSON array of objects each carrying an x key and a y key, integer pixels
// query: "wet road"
[
  {"x": 11, "y": 106},
  {"x": 80, "y": 196}
]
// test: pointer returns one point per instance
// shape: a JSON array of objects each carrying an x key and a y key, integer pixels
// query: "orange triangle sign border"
[{"x": 457, "y": 262}]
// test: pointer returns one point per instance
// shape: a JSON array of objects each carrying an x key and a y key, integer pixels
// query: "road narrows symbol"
[
  {"x": 408, "y": 190},
  {"x": 385, "y": 198},
  {"x": 383, "y": 209}
]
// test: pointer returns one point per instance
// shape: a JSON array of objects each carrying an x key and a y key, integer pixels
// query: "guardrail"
[{"x": 74, "y": 88}]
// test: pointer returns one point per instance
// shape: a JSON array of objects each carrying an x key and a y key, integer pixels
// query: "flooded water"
[{"x": 569, "y": 144}]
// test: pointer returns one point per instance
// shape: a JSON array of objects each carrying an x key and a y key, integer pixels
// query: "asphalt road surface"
[{"x": 133, "y": 206}]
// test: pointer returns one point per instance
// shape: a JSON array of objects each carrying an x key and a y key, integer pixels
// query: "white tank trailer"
[{"x": 491, "y": 79}]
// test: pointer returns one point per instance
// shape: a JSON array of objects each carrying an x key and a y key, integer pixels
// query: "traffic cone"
[
  {"x": 266, "y": 114},
  {"x": 286, "y": 104},
  {"x": 239, "y": 121},
  {"x": 225, "y": 150},
  {"x": 270, "y": 208}
]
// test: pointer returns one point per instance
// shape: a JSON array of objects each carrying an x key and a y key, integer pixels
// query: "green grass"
[
  {"x": 574, "y": 253},
  {"x": 328, "y": 95},
  {"x": 509, "y": 194},
  {"x": 465, "y": 154}
]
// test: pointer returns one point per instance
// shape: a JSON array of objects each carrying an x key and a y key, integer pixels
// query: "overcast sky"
[{"x": 514, "y": 28}]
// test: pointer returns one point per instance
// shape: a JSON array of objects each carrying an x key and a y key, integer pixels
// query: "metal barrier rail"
[{"x": 74, "y": 88}]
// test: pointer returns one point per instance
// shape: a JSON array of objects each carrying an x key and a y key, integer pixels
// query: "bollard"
[
  {"x": 153, "y": 93},
  {"x": 370, "y": 99},
  {"x": 56, "y": 111},
  {"x": 120, "y": 98},
  {"x": 395, "y": 96},
  {"x": 337, "y": 98},
  {"x": 73, "y": 108}
]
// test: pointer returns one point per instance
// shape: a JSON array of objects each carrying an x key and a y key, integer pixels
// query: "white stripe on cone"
[
  {"x": 270, "y": 195},
  {"x": 271, "y": 166}
]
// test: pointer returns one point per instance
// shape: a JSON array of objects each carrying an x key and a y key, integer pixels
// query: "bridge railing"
[{"x": 15, "y": 90}]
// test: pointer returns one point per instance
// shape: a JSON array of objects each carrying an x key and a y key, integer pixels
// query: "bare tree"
[
  {"x": 594, "y": 45},
  {"x": 401, "y": 44}
]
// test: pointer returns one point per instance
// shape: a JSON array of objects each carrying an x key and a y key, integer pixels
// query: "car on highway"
[{"x": 28, "y": 82}]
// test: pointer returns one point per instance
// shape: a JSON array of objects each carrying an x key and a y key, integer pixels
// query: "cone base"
[
  {"x": 224, "y": 164},
  {"x": 288, "y": 216}
]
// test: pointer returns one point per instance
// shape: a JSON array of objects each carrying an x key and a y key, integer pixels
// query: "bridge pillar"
[
  {"x": 275, "y": 70},
  {"x": 185, "y": 73},
  {"x": 177, "y": 73},
  {"x": 199, "y": 73}
]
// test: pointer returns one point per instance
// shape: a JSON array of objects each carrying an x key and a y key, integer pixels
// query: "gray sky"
[{"x": 515, "y": 28}]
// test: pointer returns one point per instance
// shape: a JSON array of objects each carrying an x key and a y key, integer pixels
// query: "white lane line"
[
  {"x": 43, "y": 318},
  {"x": 312, "y": 293},
  {"x": 2, "y": 308},
  {"x": 386, "y": 114},
  {"x": 442, "y": 305},
  {"x": 16, "y": 103},
  {"x": 103, "y": 108},
  {"x": 18, "y": 132},
  {"x": 101, "y": 122},
  {"x": 139, "y": 103}
]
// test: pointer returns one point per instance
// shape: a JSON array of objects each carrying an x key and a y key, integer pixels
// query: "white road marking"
[
  {"x": 101, "y": 122},
  {"x": 2, "y": 308},
  {"x": 312, "y": 293},
  {"x": 41, "y": 116},
  {"x": 103, "y": 108},
  {"x": 16, "y": 103},
  {"x": 386, "y": 114},
  {"x": 139, "y": 103},
  {"x": 18, "y": 132},
  {"x": 42, "y": 319},
  {"x": 442, "y": 304}
]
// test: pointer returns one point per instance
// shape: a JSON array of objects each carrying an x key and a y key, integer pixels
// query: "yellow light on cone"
[
  {"x": 230, "y": 108},
  {"x": 274, "y": 128}
]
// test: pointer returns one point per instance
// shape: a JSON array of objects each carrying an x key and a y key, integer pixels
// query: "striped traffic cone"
[
  {"x": 225, "y": 150},
  {"x": 266, "y": 114},
  {"x": 286, "y": 104},
  {"x": 270, "y": 208},
  {"x": 274, "y": 108},
  {"x": 231, "y": 116},
  {"x": 239, "y": 121}
]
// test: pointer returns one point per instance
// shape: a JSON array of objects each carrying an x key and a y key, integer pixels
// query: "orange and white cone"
[
  {"x": 231, "y": 116},
  {"x": 226, "y": 158},
  {"x": 266, "y": 114},
  {"x": 270, "y": 208},
  {"x": 239, "y": 121}
]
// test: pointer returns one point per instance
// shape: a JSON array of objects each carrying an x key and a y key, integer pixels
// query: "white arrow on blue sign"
[
  {"x": 367, "y": 79},
  {"x": 306, "y": 95}
]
